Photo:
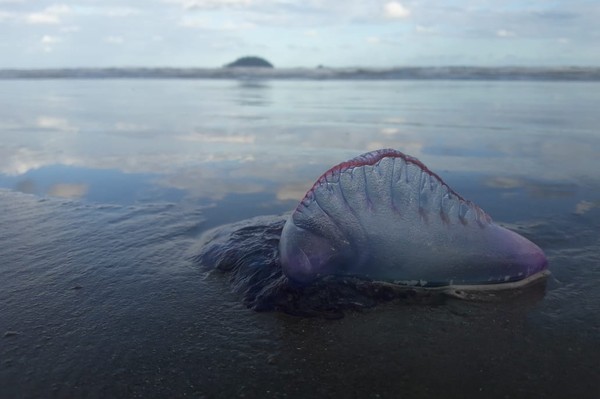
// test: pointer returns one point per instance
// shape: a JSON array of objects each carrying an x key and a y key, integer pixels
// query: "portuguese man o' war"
[
  {"x": 386, "y": 217},
  {"x": 377, "y": 227}
]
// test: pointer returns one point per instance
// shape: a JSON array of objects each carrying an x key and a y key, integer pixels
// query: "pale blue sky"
[{"x": 210, "y": 33}]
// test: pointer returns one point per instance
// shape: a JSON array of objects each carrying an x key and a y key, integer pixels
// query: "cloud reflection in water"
[{"x": 211, "y": 139}]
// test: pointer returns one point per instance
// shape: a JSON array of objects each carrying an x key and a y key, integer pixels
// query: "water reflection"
[
  {"x": 54, "y": 123},
  {"x": 212, "y": 139},
  {"x": 66, "y": 190},
  {"x": 253, "y": 92},
  {"x": 26, "y": 186},
  {"x": 217, "y": 138},
  {"x": 537, "y": 189},
  {"x": 583, "y": 206}
]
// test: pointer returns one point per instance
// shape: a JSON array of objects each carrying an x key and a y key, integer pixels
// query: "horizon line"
[{"x": 318, "y": 66}]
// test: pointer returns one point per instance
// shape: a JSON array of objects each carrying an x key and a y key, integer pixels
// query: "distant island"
[{"x": 250, "y": 62}]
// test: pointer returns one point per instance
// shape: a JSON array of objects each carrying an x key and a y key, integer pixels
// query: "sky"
[{"x": 298, "y": 33}]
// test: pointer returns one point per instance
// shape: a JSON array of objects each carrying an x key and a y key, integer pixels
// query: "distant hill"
[{"x": 252, "y": 62}]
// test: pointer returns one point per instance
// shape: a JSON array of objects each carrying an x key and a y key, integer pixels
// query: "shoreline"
[{"x": 355, "y": 73}]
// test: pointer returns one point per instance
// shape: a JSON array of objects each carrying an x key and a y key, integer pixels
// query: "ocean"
[{"x": 107, "y": 186}]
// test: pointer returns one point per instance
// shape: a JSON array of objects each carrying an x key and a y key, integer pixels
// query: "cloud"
[
  {"x": 107, "y": 11},
  {"x": 390, "y": 131},
  {"x": 207, "y": 24},
  {"x": 533, "y": 188},
  {"x": 505, "y": 182},
  {"x": 377, "y": 40},
  {"x": 47, "y": 42},
  {"x": 211, "y": 183},
  {"x": 554, "y": 15},
  {"x": 121, "y": 11},
  {"x": 5, "y": 15},
  {"x": 196, "y": 23},
  {"x": 47, "y": 39},
  {"x": 211, "y": 4},
  {"x": 131, "y": 127},
  {"x": 41, "y": 18},
  {"x": 19, "y": 160},
  {"x": 505, "y": 33},
  {"x": 395, "y": 10},
  {"x": 425, "y": 30},
  {"x": 50, "y": 15},
  {"x": 53, "y": 123},
  {"x": 66, "y": 190},
  {"x": 70, "y": 29},
  {"x": 584, "y": 206},
  {"x": 293, "y": 191},
  {"x": 214, "y": 138},
  {"x": 234, "y": 26},
  {"x": 446, "y": 30},
  {"x": 114, "y": 40}
]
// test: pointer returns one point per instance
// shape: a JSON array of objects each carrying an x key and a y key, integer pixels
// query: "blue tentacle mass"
[{"x": 378, "y": 227}]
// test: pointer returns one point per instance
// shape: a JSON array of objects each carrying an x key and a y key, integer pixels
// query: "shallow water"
[{"x": 108, "y": 185}]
